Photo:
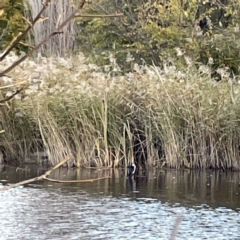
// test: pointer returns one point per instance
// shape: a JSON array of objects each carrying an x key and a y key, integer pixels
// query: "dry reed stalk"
[{"x": 175, "y": 228}]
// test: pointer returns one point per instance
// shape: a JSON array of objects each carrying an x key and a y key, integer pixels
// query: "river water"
[{"x": 205, "y": 204}]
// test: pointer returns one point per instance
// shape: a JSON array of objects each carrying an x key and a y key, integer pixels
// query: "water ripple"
[{"x": 38, "y": 213}]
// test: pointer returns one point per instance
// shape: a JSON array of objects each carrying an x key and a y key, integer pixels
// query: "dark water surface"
[{"x": 207, "y": 202}]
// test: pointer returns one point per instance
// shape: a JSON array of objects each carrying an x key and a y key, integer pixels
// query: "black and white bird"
[{"x": 131, "y": 170}]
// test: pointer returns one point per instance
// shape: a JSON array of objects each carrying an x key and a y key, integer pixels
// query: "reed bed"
[{"x": 153, "y": 116}]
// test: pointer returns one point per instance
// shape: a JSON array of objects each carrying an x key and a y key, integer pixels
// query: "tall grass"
[{"x": 157, "y": 117}]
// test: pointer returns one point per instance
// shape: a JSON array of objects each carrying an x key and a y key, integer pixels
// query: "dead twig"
[
  {"x": 74, "y": 181},
  {"x": 10, "y": 97},
  {"x": 100, "y": 16},
  {"x": 13, "y": 85}
]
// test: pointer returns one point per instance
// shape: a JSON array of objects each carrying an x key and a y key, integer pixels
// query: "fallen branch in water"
[
  {"x": 74, "y": 181},
  {"x": 42, "y": 177},
  {"x": 45, "y": 177}
]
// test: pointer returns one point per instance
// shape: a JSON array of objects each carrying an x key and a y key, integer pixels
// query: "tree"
[
  {"x": 11, "y": 23},
  {"x": 153, "y": 29}
]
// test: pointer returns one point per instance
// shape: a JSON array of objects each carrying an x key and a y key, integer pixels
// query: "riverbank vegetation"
[
  {"x": 162, "y": 116},
  {"x": 155, "y": 104}
]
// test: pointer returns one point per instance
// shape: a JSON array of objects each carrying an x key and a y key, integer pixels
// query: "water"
[{"x": 206, "y": 203}]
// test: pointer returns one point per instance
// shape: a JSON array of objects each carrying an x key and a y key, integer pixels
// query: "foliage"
[
  {"x": 151, "y": 30},
  {"x": 223, "y": 49},
  {"x": 11, "y": 22}
]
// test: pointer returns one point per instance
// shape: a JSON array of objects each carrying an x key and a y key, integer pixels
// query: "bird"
[{"x": 131, "y": 169}]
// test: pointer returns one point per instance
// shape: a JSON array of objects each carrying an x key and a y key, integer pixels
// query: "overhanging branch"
[
  {"x": 100, "y": 16},
  {"x": 57, "y": 31}
]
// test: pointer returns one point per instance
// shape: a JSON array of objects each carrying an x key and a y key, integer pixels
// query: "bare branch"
[
  {"x": 20, "y": 37},
  {"x": 10, "y": 97},
  {"x": 13, "y": 85},
  {"x": 75, "y": 181},
  {"x": 100, "y": 16},
  {"x": 43, "y": 42}
]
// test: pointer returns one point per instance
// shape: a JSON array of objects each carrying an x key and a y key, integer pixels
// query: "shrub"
[{"x": 156, "y": 116}]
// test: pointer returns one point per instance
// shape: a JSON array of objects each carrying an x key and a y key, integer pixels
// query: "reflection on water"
[{"x": 119, "y": 208}]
